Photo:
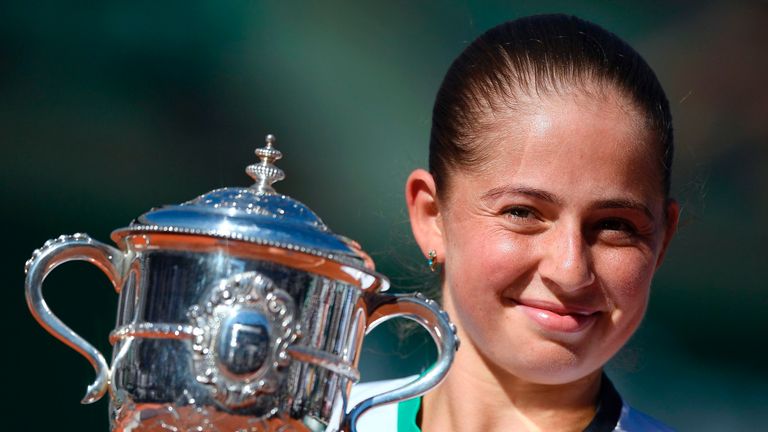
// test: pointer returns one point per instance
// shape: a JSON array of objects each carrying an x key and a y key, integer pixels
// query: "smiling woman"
[{"x": 546, "y": 204}]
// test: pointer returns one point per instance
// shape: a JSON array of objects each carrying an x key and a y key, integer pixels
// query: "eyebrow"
[
  {"x": 542, "y": 195},
  {"x": 624, "y": 204},
  {"x": 613, "y": 203}
]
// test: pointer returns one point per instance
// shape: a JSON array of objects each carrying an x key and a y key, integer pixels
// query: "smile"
[{"x": 557, "y": 318}]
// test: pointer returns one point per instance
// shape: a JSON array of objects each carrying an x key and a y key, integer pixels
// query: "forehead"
[{"x": 591, "y": 143}]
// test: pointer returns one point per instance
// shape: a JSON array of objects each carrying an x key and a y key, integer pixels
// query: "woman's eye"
[
  {"x": 520, "y": 213},
  {"x": 617, "y": 232},
  {"x": 616, "y": 225}
]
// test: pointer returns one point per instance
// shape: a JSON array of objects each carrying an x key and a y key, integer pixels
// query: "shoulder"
[
  {"x": 632, "y": 420},
  {"x": 381, "y": 418},
  {"x": 384, "y": 418}
]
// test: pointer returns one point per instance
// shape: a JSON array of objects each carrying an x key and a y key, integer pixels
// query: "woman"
[{"x": 546, "y": 208}]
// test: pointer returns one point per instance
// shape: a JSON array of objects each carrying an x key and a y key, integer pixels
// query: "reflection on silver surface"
[
  {"x": 239, "y": 310},
  {"x": 243, "y": 329},
  {"x": 160, "y": 360}
]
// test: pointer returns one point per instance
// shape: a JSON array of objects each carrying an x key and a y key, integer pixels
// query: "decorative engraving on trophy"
[
  {"x": 241, "y": 337},
  {"x": 244, "y": 342}
]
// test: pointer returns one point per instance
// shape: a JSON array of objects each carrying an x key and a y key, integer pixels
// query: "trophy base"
[{"x": 154, "y": 417}]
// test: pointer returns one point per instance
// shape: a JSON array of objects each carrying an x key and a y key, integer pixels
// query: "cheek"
[
  {"x": 485, "y": 260},
  {"x": 626, "y": 276},
  {"x": 481, "y": 263}
]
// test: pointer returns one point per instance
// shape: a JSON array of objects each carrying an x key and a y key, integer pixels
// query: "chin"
[
  {"x": 549, "y": 363},
  {"x": 556, "y": 374}
]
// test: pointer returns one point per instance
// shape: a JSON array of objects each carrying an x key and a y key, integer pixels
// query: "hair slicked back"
[{"x": 531, "y": 57}]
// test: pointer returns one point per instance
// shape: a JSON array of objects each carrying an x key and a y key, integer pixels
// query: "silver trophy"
[{"x": 238, "y": 311}]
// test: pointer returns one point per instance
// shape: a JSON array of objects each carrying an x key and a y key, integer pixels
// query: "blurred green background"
[{"x": 110, "y": 108}]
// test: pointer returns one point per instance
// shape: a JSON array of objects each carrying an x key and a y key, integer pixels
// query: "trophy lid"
[{"x": 256, "y": 214}]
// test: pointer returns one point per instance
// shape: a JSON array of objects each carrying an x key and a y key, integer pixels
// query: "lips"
[{"x": 556, "y": 317}]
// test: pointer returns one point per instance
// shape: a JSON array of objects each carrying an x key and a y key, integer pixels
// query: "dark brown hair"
[{"x": 515, "y": 61}]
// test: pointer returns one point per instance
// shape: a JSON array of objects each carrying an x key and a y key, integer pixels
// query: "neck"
[{"x": 478, "y": 397}]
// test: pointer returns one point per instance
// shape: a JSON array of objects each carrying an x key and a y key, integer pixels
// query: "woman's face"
[{"x": 549, "y": 248}]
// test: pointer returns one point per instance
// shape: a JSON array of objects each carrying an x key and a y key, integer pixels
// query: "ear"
[
  {"x": 673, "y": 217},
  {"x": 424, "y": 212}
]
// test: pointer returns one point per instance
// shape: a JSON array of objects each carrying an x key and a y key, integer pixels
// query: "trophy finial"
[{"x": 264, "y": 172}]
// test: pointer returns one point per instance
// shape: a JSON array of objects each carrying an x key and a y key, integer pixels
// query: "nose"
[{"x": 566, "y": 260}]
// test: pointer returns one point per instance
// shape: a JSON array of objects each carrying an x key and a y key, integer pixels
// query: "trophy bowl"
[{"x": 237, "y": 310}]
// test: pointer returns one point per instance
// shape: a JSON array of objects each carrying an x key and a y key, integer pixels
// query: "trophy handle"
[
  {"x": 429, "y": 315},
  {"x": 77, "y": 247}
]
